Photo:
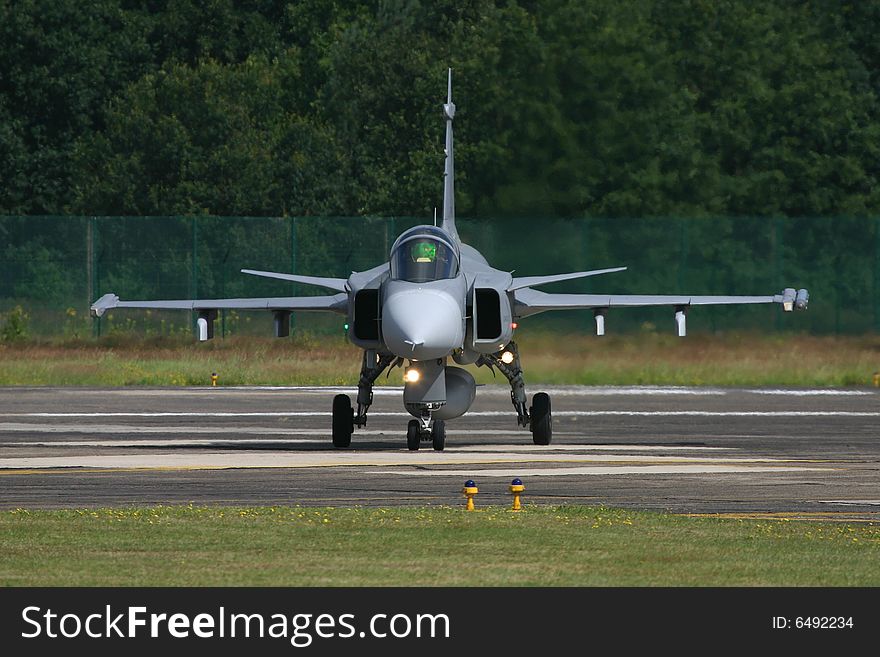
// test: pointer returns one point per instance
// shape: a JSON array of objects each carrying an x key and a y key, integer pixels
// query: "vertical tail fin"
[{"x": 449, "y": 169}]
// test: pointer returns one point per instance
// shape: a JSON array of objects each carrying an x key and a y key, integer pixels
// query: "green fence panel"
[{"x": 54, "y": 266}]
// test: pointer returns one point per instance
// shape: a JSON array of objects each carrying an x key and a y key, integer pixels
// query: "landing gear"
[
  {"x": 423, "y": 430},
  {"x": 343, "y": 421},
  {"x": 513, "y": 372},
  {"x": 344, "y": 417},
  {"x": 541, "y": 419},
  {"x": 413, "y": 435},
  {"x": 537, "y": 418},
  {"x": 438, "y": 435},
  {"x": 372, "y": 366}
]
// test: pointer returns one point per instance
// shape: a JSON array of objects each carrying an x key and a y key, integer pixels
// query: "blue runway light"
[
  {"x": 470, "y": 483},
  {"x": 516, "y": 482}
]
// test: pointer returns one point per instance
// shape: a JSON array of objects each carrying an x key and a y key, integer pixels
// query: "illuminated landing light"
[
  {"x": 411, "y": 376},
  {"x": 514, "y": 325},
  {"x": 507, "y": 357}
]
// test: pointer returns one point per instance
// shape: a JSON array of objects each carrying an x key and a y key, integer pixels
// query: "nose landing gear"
[
  {"x": 423, "y": 430},
  {"x": 413, "y": 435},
  {"x": 438, "y": 435}
]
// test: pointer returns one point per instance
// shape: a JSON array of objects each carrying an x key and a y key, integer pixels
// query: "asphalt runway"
[{"x": 796, "y": 453}]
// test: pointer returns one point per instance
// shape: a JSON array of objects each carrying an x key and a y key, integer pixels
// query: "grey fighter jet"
[{"x": 438, "y": 299}]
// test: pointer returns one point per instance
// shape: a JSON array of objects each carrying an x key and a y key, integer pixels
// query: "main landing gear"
[
  {"x": 538, "y": 417},
  {"x": 344, "y": 417},
  {"x": 343, "y": 421}
]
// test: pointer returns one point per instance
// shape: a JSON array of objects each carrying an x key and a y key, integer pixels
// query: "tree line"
[{"x": 566, "y": 108}]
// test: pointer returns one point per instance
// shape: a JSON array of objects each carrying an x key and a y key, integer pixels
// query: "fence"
[{"x": 53, "y": 267}]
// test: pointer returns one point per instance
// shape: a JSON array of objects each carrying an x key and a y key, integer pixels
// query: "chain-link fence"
[{"x": 53, "y": 267}]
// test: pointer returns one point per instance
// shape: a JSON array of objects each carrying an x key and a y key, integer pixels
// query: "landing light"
[
  {"x": 507, "y": 357},
  {"x": 411, "y": 376}
]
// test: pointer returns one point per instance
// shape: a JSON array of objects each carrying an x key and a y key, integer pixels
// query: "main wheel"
[
  {"x": 438, "y": 435},
  {"x": 542, "y": 420},
  {"x": 343, "y": 421},
  {"x": 413, "y": 435}
]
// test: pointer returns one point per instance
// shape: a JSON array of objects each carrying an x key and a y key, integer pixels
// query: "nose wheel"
[
  {"x": 413, "y": 435},
  {"x": 438, "y": 435},
  {"x": 416, "y": 434}
]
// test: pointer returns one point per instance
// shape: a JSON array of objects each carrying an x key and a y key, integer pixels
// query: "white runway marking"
[
  {"x": 378, "y": 390},
  {"x": 470, "y": 414},
  {"x": 490, "y": 389},
  {"x": 852, "y": 502},
  {"x": 585, "y": 391},
  {"x": 482, "y": 390},
  {"x": 596, "y": 470},
  {"x": 714, "y": 413},
  {"x": 225, "y": 442},
  {"x": 537, "y": 449},
  {"x": 24, "y": 427},
  {"x": 181, "y": 414},
  {"x": 158, "y": 444},
  {"x": 607, "y": 391},
  {"x": 275, "y": 459},
  {"x": 323, "y": 432},
  {"x": 811, "y": 393}
]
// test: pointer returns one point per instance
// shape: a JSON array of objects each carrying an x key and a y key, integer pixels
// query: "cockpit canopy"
[{"x": 423, "y": 254}]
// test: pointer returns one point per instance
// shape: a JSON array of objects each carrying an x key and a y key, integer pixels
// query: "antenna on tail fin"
[{"x": 449, "y": 169}]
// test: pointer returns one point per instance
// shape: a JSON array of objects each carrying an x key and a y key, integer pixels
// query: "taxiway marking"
[
  {"x": 319, "y": 437},
  {"x": 703, "y": 468},
  {"x": 273, "y": 459},
  {"x": 470, "y": 414},
  {"x": 578, "y": 391}
]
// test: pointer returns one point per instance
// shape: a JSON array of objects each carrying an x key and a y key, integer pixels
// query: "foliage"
[
  {"x": 14, "y": 325},
  {"x": 319, "y": 107}
]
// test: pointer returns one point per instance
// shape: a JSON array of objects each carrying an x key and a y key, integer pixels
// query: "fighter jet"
[{"x": 436, "y": 300}]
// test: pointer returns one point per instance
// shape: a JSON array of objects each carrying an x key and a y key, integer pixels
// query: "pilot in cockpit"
[{"x": 421, "y": 258}]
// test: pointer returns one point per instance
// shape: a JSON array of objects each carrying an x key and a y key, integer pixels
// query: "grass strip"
[
  {"x": 650, "y": 359},
  {"x": 430, "y": 546}
]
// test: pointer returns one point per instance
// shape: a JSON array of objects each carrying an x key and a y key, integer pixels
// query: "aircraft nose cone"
[{"x": 422, "y": 324}]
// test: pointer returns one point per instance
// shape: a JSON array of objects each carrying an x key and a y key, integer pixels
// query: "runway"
[{"x": 798, "y": 453}]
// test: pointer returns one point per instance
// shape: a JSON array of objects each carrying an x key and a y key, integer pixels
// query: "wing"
[
  {"x": 339, "y": 284},
  {"x": 337, "y": 303},
  {"x": 531, "y": 302},
  {"x": 531, "y": 281}
]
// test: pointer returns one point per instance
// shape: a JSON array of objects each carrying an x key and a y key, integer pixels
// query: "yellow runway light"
[{"x": 470, "y": 489}]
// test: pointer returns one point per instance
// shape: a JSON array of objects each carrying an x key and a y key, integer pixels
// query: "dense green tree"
[
  {"x": 566, "y": 108},
  {"x": 218, "y": 139},
  {"x": 60, "y": 61}
]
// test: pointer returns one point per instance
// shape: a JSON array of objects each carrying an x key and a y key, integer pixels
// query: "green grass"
[
  {"x": 723, "y": 360},
  {"x": 437, "y": 546}
]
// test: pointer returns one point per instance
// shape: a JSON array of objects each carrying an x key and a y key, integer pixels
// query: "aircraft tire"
[
  {"x": 413, "y": 435},
  {"x": 438, "y": 435},
  {"x": 542, "y": 420},
  {"x": 343, "y": 421}
]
